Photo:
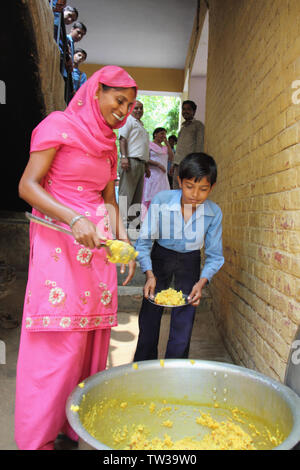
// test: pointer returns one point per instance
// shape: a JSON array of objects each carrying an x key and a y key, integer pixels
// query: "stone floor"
[{"x": 206, "y": 344}]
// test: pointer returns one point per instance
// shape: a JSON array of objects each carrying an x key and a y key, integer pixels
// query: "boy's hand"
[
  {"x": 131, "y": 271},
  {"x": 150, "y": 284},
  {"x": 196, "y": 293}
]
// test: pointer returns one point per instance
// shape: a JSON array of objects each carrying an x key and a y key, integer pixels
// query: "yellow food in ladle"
[{"x": 120, "y": 252}]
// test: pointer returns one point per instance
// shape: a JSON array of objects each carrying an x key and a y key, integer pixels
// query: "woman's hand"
[
  {"x": 131, "y": 271},
  {"x": 150, "y": 284},
  {"x": 84, "y": 232},
  {"x": 196, "y": 293}
]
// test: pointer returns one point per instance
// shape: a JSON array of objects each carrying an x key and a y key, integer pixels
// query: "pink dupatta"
[{"x": 82, "y": 121}]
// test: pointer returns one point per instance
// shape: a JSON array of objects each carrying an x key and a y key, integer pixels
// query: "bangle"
[
  {"x": 123, "y": 156},
  {"x": 74, "y": 220}
]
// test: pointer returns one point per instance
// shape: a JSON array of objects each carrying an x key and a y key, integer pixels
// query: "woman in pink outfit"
[
  {"x": 158, "y": 165},
  {"x": 71, "y": 296}
]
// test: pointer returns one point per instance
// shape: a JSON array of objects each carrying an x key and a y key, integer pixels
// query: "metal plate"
[{"x": 185, "y": 296}]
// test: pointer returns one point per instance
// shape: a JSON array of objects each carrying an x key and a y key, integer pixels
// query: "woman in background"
[{"x": 158, "y": 163}]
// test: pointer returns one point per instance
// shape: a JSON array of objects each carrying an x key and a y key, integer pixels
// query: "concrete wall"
[
  {"x": 150, "y": 79},
  {"x": 197, "y": 93},
  {"x": 252, "y": 129}
]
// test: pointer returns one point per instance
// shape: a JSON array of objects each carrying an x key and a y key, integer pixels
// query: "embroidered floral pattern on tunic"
[
  {"x": 56, "y": 296},
  {"x": 84, "y": 297},
  {"x": 77, "y": 323},
  {"x": 56, "y": 254},
  {"x": 106, "y": 297},
  {"x": 84, "y": 256}
]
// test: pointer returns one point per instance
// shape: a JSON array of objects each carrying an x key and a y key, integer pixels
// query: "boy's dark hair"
[
  {"x": 196, "y": 166},
  {"x": 79, "y": 25},
  {"x": 157, "y": 130},
  {"x": 191, "y": 103},
  {"x": 72, "y": 9},
  {"x": 78, "y": 49}
]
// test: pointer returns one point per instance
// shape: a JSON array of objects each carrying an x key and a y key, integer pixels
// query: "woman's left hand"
[{"x": 131, "y": 271}]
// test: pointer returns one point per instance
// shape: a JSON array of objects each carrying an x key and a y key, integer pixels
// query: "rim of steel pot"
[{"x": 287, "y": 394}]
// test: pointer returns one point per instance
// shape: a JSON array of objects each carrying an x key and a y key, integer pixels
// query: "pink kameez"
[{"x": 71, "y": 296}]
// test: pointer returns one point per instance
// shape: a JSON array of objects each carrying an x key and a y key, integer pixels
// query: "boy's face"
[
  {"x": 194, "y": 192},
  {"x": 77, "y": 34},
  {"x": 79, "y": 57},
  {"x": 69, "y": 17}
]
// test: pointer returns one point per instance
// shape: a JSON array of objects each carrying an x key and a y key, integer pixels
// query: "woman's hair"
[
  {"x": 191, "y": 103},
  {"x": 79, "y": 25},
  {"x": 107, "y": 87},
  {"x": 196, "y": 166},
  {"x": 157, "y": 130},
  {"x": 78, "y": 49},
  {"x": 72, "y": 9}
]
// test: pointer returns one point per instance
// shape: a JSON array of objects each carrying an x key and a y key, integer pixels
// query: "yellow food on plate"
[
  {"x": 121, "y": 252},
  {"x": 169, "y": 297}
]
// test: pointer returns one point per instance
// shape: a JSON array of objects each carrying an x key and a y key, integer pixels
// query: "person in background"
[
  {"x": 134, "y": 147},
  {"x": 172, "y": 139},
  {"x": 70, "y": 15},
  {"x": 79, "y": 77},
  {"x": 78, "y": 31},
  {"x": 160, "y": 154},
  {"x": 190, "y": 137},
  {"x": 71, "y": 297}
]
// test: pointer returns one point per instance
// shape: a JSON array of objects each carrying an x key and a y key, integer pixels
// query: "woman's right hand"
[{"x": 84, "y": 232}]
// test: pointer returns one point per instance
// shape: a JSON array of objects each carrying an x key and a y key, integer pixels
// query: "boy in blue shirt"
[
  {"x": 180, "y": 222},
  {"x": 79, "y": 77}
]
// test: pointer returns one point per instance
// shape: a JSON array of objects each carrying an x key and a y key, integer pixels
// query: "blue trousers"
[{"x": 185, "y": 267}]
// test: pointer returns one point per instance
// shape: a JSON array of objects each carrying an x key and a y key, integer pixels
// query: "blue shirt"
[
  {"x": 79, "y": 78},
  {"x": 164, "y": 223}
]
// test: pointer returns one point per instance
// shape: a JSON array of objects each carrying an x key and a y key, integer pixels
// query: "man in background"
[
  {"x": 190, "y": 137},
  {"x": 134, "y": 148}
]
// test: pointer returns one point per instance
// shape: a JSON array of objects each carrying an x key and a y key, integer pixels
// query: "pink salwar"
[{"x": 50, "y": 365}]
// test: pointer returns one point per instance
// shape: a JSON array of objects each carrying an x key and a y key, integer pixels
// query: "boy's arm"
[
  {"x": 213, "y": 250},
  {"x": 214, "y": 259}
]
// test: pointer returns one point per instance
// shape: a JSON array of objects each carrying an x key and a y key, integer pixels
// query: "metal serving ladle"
[{"x": 119, "y": 251}]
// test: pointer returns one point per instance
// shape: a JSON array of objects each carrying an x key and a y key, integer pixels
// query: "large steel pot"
[{"x": 200, "y": 381}]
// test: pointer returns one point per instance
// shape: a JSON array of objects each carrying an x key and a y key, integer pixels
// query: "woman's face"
[
  {"x": 160, "y": 137},
  {"x": 115, "y": 104}
]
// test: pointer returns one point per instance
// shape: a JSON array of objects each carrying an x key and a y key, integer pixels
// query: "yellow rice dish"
[
  {"x": 169, "y": 297},
  {"x": 121, "y": 252},
  {"x": 136, "y": 424}
]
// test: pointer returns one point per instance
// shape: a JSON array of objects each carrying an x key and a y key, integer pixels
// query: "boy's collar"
[{"x": 175, "y": 205}]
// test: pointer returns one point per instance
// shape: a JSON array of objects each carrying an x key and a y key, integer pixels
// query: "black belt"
[{"x": 138, "y": 159}]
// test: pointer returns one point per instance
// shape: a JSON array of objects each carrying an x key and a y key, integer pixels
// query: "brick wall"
[{"x": 253, "y": 130}]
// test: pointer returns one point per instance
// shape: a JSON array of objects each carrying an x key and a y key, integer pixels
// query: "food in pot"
[{"x": 137, "y": 424}]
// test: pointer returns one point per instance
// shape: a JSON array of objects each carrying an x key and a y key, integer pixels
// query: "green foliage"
[{"x": 161, "y": 111}]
